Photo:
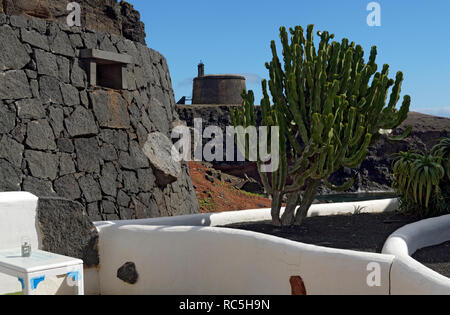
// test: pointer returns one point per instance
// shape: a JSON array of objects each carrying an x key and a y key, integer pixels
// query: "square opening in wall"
[
  {"x": 111, "y": 76},
  {"x": 106, "y": 69}
]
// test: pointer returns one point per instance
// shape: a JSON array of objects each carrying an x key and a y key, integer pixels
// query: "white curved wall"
[
  {"x": 408, "y": 276},
  {"x": 186, "y": 255},
  {"x": 205, "y": 260}
]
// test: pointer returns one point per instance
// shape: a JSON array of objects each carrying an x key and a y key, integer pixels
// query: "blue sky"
[{"x": 233, "y": 36}]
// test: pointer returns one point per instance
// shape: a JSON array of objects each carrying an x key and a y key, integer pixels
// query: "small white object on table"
[{"x": 31, "y": 271}]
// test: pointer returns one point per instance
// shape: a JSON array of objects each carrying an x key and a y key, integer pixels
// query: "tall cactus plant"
[{"x": 330, "y": 106}]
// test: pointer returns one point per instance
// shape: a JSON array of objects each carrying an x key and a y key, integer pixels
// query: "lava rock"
[
  {"x": 110, "y": 108},
  {"x": 67, "y": 187},
  {"x": 81, "y": 123},
  {"x": 9, "y": 178},
  {"x": 38, "y": 187},
  {"x": 67, "y": 230},
  {"x": 40, "y": 135},
  {"x": 128, "y": 273},
  {"x": 91, "y": 189},
  {"x": 11, "y": 150},
  {"x": 13, "y": 55},
  {"x": 87, "y": 154},
  {"x": 30, "y": 109},
  {"x": 14, "y": 85},
  {"x": 42, "y": 165},
  {"x": 158, "y": 150}
]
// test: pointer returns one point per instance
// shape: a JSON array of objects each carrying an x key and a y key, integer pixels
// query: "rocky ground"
[
  {"x": 219, "y": 192},
  {"x": 108, "y": 16}
]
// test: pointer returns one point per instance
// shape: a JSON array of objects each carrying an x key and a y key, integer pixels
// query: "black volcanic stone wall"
[
  {"x": 108, "y": 16},
  {"x": 61, "y": 138}
]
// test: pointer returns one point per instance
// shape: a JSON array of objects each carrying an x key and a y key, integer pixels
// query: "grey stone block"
[
  {"x": 49, "y": 89},
  {"x": 111, "y": 109},
  {"x": 11, "y": 151},
  {"x": 123, "y": 199},
  {"x": 30, "y": 109},
  {"x": 70, "y": 94},
  {"x": 18, "y": 21},
  {"x": 108, "y": 207},
  {"x": 108, "y": 152},
  {"x": 130, "y": 182},
  {"x": 67, "y": 230},
  {"x": 158, "y": 150},
  {"x": 56, "y": 118},
  {"x": 81, "y": 123},
  {"x": 62, "y": 45},
  {"x": 76, "y": 41},
  {"x": 40, "y": 135},
  {"x": 10, "y": 179},
  {"x": 146, "y": 179},
  {"x": 38, "y": 187},
  {"x": 38, "y": 25},
  {"x": 46, "y": 63},
  {"x": 13, "y": 55},
  {"x": 108, "y": 180},
  {"x": 78, "y": 75},
  {"x": 35, "y": 39},
  {"x": 14, "y": 85},
  {"x": 65, "y": 145},
  {"x": 66, "y": 165},
  {"x": 63, "y": 69},
  {"x": 90, "y": 188},
  {"x": 42, "y": 165},
  {"x": 87, "y": 150},
  {"x": 7, "y": 119},
  {"x": 67, "y": 187}
]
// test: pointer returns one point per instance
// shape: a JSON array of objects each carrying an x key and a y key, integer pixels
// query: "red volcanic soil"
[{"x": 222, "y": 195}]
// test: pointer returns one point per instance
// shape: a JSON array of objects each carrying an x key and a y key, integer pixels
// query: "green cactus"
[{"x": 330, "y": 106}]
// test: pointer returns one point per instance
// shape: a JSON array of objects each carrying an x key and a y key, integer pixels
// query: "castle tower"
[{"x": 222, "y": 89}]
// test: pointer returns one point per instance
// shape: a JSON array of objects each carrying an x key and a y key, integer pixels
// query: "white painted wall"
[
  {"x": 409, "y": 276},
  {"x": 186, "y": 255},
  {"x": 17, "y": 219},
  {"x": 205, "y": 260}
]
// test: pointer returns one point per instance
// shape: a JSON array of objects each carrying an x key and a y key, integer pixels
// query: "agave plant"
[
  {"x": 425, "y": 175},
  {"x": 402, "y": 171},
  {"x": 442, "y": 150}
]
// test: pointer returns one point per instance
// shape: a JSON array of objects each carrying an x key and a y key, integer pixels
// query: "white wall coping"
[
  {"x": 408, "y": 274},
  {"x": 256, "y": 215}
]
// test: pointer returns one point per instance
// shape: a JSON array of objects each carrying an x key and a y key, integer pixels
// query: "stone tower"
[{"x": 222, "y": 89}]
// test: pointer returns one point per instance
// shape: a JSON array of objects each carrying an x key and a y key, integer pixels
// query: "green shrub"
[{"x": 423, "y": 180}]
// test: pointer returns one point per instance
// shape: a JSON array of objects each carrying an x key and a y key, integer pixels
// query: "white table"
[{"x": 33, "y": 270}]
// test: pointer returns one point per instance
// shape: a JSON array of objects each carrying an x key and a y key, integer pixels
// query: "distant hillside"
[{"x": 373, "y": 174}]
